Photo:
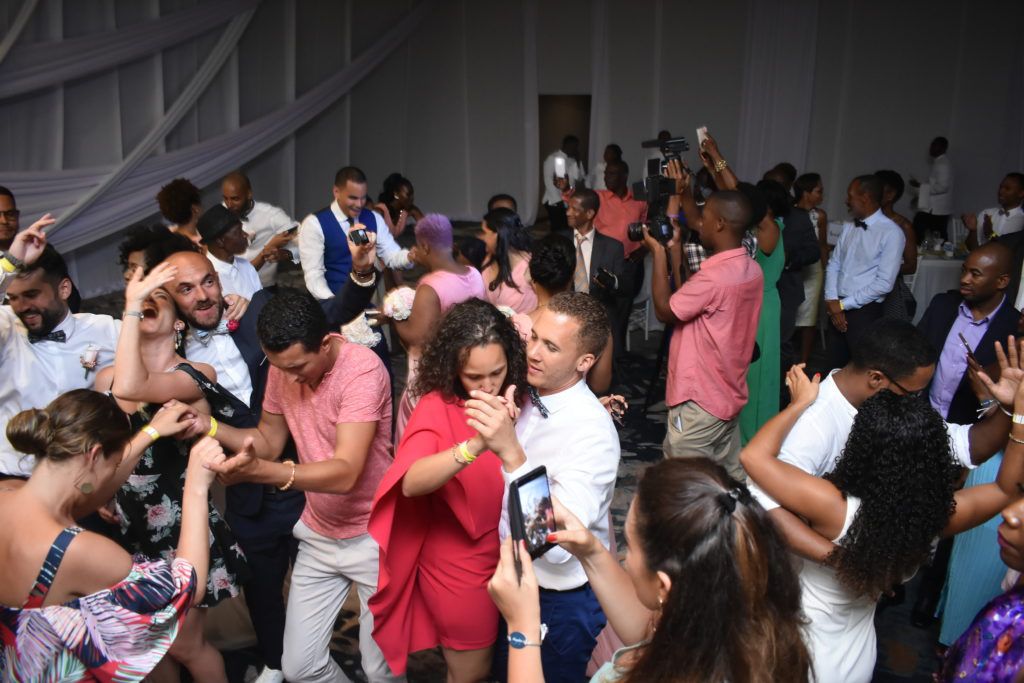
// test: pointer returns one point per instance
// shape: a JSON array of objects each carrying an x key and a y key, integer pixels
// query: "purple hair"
[{"x": 436, "y": 230}]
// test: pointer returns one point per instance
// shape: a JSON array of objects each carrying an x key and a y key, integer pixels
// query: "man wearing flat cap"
[{"x": 221, "y": 231}]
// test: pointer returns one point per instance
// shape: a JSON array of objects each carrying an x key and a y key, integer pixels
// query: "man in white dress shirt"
[
  {"x": 565, "y": 429},
  {"x": 998, "y": 221},
  {"x": 323, "y": 248},
  {"x": 269, "y": 228},
  {"x": 569, "y": 155},
  {"x": 935, "y": 199},
  {"x": 42, "y": 344},
  {"x": 221, "y": 232}
]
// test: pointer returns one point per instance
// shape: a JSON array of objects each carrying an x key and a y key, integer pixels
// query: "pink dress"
[
  {"x": 522, "y": 300},
  {"x": 451, "y": 289}
]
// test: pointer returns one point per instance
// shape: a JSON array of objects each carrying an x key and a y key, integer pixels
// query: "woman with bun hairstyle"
[{"x": 74, "y": 605}]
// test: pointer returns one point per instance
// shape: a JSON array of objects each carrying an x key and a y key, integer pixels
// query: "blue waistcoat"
[{"x": 337, "y": 257}]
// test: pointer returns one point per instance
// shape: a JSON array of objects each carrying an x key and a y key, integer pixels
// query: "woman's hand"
[
  {"x": 518, "y": 599},
  {"x": 510, "y": 402},
  {"x": 572, "y": 535},
  {"x": 489, "y": 416},
  {"x": 139, "y": 288},
  {"x": 802, "y": 390},
  {"x": 1008, "y": 389},
  {"x": 206, "y": 455},
  {"x": 173, "y": 419}
]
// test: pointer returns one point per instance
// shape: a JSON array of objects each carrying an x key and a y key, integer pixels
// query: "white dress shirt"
[
  {"x": 226, "y": 359},
  {"x": 1002, "y": 224},
  {"x": 587, "y": 246},
  {"x": 35, "y": 374},
  {"x": 940, "y": 186},
  {"x": 597, "y": 177},
  {"x": 573, "y": 169},
  {"x": 582, "y": 478},
  {"x": 262, "y": 223},
  {"x": 238, "y": 277},
  {"x": 819, "y": 437},
  {"x": 311, "y": 250}
]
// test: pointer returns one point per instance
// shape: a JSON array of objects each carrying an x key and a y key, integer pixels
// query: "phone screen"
[
  {"x": 560, "y": 167},
  {"x": 535, "y": 510}
]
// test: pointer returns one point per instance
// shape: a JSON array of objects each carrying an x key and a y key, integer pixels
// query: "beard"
[
  {"x": 195, "y": 323},
  {"x": 49, "y": 318}
]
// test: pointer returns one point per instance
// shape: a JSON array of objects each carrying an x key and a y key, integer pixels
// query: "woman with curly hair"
[
  {"x": 891, "y": 494},
  {"x": 707, "y": 591},
  {"x": 181, "y": 204},
  {"x": 436, "y": 512},
  {"x": 508, "y": 258}
]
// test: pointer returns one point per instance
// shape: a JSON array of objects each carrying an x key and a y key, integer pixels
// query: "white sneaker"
[{"x": 269, "y": 675}]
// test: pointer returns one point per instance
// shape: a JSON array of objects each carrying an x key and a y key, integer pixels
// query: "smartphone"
[
  {"x": 559, "y": 167},
  {"x": 531, "y": 514},
  {"x": 963, "y": 340},
  {"x": 702, "y": 135}
]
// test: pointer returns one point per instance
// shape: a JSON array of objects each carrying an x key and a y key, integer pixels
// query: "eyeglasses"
[
  {"x": 10, "y": 216},
  {"x": 906, "y": 392}
]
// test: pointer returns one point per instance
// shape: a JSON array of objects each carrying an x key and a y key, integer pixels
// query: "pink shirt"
[
  {"x": 356, "y": 389},
  {"x": 453, "y": 289},
  {"x": 522, "y": 300},
  {"x": 616, "y": 214},
  {"x": 711, "y": 348}
]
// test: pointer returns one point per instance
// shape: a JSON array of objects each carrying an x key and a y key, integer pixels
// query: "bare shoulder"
[{"x": 91, "y": 563}]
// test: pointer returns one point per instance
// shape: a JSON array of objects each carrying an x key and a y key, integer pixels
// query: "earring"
[
  {"x": 86, "y": 487},
  {"x": 178, "y": 337}
]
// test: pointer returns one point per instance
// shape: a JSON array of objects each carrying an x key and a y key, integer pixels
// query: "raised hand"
[
  {"x": 1010, "y": 373},
  {"x": 510, "y": 402},
  {"x": 517, "y": 598},
  {"x": 571, "y": 534},
  {"x": 803, "y": 391},
  {"x": 363, "y": 255},
  {"x": 489, "y": 416},
  {"x": 679, "y": 174},
  {"x": 173, "y": 419},
  {"x": 28, "y": 244},
  {"x": 970, "y": 221},
  {"x": 139, "y": 288},
  {"x": 203, "y": 460},
  {"x": 240, "y": 467},
  {"x": 237, "y": 306}
]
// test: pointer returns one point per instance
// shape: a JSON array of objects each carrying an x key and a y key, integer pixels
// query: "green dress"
[{"x": 764, "y": 375}]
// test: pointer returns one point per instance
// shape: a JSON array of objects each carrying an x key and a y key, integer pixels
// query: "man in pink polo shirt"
[
  {"x": 334, "y": 398},
  {"x": 714, "y": 314}
]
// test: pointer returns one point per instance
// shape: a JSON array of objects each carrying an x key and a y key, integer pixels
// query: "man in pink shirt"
[
  {"x": 715, "y": 314},
  {"x": 334, "y": 398}
]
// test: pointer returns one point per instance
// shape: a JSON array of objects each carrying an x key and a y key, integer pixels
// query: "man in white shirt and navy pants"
[
  {"x": 565, "y": 428},
  {"x": 998, "y": 221},
  {"x": 935, "y": 199}
]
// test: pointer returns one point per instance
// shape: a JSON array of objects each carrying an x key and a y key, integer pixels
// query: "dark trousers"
[
  {"x": 270, "y": 549},
  {"x": 839, "y": 343},
  {"x": 556, "y": 218},
  {"x": 632, "y": 281},
  {"x": 927, "y": 223},
  {"x": 574, "y": 620}
]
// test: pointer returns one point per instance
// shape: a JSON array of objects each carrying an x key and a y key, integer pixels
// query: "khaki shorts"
[{"x": 695, "y": 433}]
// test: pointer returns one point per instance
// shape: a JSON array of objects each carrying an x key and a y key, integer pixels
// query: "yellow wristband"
[
  {"x": 461, "y": 453},
  {"x": 151, "y": 431},
  {"x": 7, "y": 266},
  {"x": 841, "y": 305},
  {"x": 213, "y": 427}
]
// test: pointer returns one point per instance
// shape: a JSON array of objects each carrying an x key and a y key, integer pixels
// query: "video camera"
[{"x": 656, "y": 189}]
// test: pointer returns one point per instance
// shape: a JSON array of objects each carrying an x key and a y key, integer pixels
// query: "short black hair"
[
  {"x": 615, "y": 148},
  {"x": 292, "y": 316},
  {"x": 502, "y": 197},
  {"x": 736, "y": 207},
  {"x": 473, "y": 249},
  {"x": 570, "y": 139},
  {"x": 157, "y": 252},
  {"x": 893, "y": 347},
  {"x": 7, "y": 193},
  {"x": 872, "y": 185},
  {"x": 942, "y": 142},
  {"x": 891, "y": 179},
  {"x": 805, "y": 183},
  {"x": 1018, "y": 177},
  {"x": 347, "y": 173},
  {"x": 756, "y": 203},
  {"x": 52, "y": 264},
  {"x": 553, "y": 263},
  {"x": 589, "y": 199},
  {"x": 239, "y": 176},
  {"x": 621, "y": 163},
  {"x": 778, "y": 200},
  {"x": 176, "y": 200},
  {"x": 787, "y": 170},
  {"x": 138, "y": 238}
]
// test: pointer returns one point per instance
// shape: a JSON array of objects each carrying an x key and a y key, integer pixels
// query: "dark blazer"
[
  {"x": 609, "y": 254},
  {"x": 936, "y": 325},
  {"x": 1015, "y": 241},
  {"x": 246, "y": 501}
]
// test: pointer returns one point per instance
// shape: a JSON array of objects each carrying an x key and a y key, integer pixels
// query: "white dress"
[{"x": 841, "y": 632}]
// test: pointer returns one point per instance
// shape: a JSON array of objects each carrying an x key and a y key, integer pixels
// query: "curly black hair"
[
  {"x": 138, "y": 238},
  {"x": 899, "y": 463},
  {"x": 469, "y": 324},
  {"x": 176, "y": 200},
  {"x": 291, "y": 317}
]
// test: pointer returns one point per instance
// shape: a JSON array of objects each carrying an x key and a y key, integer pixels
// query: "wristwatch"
[{"x": 519, "y": 641}]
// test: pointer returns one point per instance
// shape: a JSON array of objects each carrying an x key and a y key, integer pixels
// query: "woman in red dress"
[{"x": 436, "y": 511}]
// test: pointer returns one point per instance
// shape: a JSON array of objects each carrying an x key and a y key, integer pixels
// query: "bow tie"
[
  {"x": 537, "y": 403},
  {"x": 1004, "y": 212},
  {"x": 861, "y": 224},
  {"x": 57, "y": 336},
  {"x": 204, "y": 337}
]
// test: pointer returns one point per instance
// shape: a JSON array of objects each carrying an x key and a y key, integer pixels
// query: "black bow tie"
[
  {"x": 537, "y": 403},
  {"x": 57, "y": 336},
  {"x": 1004, "y": 212},
  {"x": 861, "y": 224}
]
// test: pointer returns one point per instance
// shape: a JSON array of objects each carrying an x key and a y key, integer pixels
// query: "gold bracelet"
[
  {"x": 291, "y": 479},
  {"x": 151, "y": 431},
  {"x": 721, "y": 165},
  {"x": 1015, "y": 439},
  {"x": 213, "y": 427}
]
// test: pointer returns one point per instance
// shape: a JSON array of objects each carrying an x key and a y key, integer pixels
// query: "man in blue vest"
[{"x": 323, "y": 247}]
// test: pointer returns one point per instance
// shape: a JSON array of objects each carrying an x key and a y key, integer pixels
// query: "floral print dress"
[{"x": 149, "y": 506}]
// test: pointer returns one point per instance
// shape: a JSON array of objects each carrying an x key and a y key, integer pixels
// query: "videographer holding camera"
[{"x": 715, "y": 313}]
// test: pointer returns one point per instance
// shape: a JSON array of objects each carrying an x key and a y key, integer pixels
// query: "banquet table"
[{"x": 934, "y": 274}]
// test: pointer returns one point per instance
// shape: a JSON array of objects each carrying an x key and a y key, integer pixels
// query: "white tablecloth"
[{"x": 934, "y": 275}]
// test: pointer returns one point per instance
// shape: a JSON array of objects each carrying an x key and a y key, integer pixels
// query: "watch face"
[{"x": 517, "y": 640}]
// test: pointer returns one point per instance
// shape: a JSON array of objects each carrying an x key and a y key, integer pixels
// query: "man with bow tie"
[
  {"x": 862, "y": 268},
  {"x": 45, "y": 350},
  {"x": 998, "y": 221},
  {"x": 270, "y": 230},
  {"x": 261, "y": 517}
]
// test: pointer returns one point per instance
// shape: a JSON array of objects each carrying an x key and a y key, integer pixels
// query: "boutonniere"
[
  {"x": 88, "y": 358},
  {"x": 233, "y": 325}
]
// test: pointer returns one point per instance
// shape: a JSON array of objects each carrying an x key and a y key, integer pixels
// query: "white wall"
[{"x": 846, "y": 86}]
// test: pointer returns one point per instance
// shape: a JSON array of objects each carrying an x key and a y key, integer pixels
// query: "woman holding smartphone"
[{"x": 437, "y": 509}]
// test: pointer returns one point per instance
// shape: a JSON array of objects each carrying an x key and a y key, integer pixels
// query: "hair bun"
[{"x": 29, "y": 431}]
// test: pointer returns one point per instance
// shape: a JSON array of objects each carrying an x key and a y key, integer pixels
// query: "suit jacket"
[
  {"x": 609, "y": 254},
  {"x": 246, "y": 501},
  {"x": 1015, "y": 241},
  {"x": 936, "y": 325}
]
